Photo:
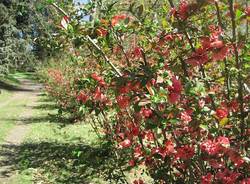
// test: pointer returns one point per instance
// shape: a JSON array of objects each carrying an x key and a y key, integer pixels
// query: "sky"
[{"x": 80, "y": 1}]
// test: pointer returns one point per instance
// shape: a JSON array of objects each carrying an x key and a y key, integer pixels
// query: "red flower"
[
  {"x": 125, "y": 144},
  {"x": 135, "y": 131},
  {"x": 131, "y": 163},
  {"x": 185, "y": 152},
  {"x": 185, "y": 117},
  {"x": 221, "y": 113},
  {"x": 210, "y": 147},
  {"x": 82, "y": 97},
  {"x": 220, "y": 54},
  {"x": 169, "y": 147},
  {"x": 117, "y": 18},
  {"x": 223, "y": 141},
  {"x": 146, "y": 112},
  {"x": 98, "y": 78},
  {"x": 227, "y": 176},
  {"x": 183, "y": 9},
  {"x": 217, "y": 44},
  {"x": 247, "y": 11},
  {"x": 102, "y": 32},
  {"x": 207, "y": 179},
  {"x": 137, "y": 52},
  {"x": 235, "y": 158},
  {"x": 234, "y": 106},
  {"x": 245, "y": 181},
  {"x": 217, "y": 164},
  {"x": 169, "y": 37},
  {"x": 176, "y": 86},
  {"x": 198, "y": 57},
  {"x": 123, "y": 101},
  {"x": 149, "y": 135},
  {"x": 175, "y": 90},
  {"x": 139, "y": 181},
  {"x": 98, "y": 95},
  {"x": 138, "y": 152}
]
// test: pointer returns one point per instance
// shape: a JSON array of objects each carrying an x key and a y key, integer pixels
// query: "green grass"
[
  {"x": 56, "y": 154},
  {"x": 23, "y": 75},
  {"x": 9, "y": 114},
  {"x": 11, "y": 108}
]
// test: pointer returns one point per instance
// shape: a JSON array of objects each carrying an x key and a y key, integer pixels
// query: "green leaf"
[
  {"x": 50, "y": 1},
  {"x": 204, "y": 127},
  {"x": 238, "y": 14}
]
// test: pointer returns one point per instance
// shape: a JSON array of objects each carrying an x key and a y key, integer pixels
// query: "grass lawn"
[{"x": 53, "y": 153}]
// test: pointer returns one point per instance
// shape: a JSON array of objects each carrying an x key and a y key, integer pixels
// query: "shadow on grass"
[
  {"x": 62, "y": 163},
  {"x": 65, "y": 163},
  {"x": 9, "y": 87}
]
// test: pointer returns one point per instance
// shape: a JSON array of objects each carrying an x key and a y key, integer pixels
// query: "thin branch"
[
  {"x": 104, "y": 56},
  {"x": 59, "y": 9},
  {"x": 93, "y": 43},
  {"x": 238, "y": 66},
  {"x": 121, "y": 46},
  {"x": 227, "y": 77}
]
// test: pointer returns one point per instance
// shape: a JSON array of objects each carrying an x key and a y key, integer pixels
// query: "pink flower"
[
  {"x": 131, "y": 163},
  {"x": 176, "y": 86},
  {"x": 138, "y": 152},
  {"x": 149, "y": 135}
]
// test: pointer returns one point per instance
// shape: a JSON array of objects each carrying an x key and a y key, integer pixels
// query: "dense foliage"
[
  {"x": 166, "y": 82},
  {"x": 21, "y": 24}
]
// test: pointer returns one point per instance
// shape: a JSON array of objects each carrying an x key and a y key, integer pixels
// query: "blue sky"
[{"x": 81, "y": 1}]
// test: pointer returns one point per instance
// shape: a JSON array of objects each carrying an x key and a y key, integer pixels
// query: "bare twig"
[
  {"x": 227, "y": 77},
  {"x": 238, "y": 66},
  {"x": 93, "y": 43}
]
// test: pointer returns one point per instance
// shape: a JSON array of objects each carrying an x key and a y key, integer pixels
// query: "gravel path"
[{"x": 30, "y": 91}]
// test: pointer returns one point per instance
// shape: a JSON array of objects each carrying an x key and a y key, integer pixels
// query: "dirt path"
[{"x": 30, "y": 91}]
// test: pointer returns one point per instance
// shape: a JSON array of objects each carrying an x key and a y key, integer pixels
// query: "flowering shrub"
[{"x": 169, "y": 87}]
